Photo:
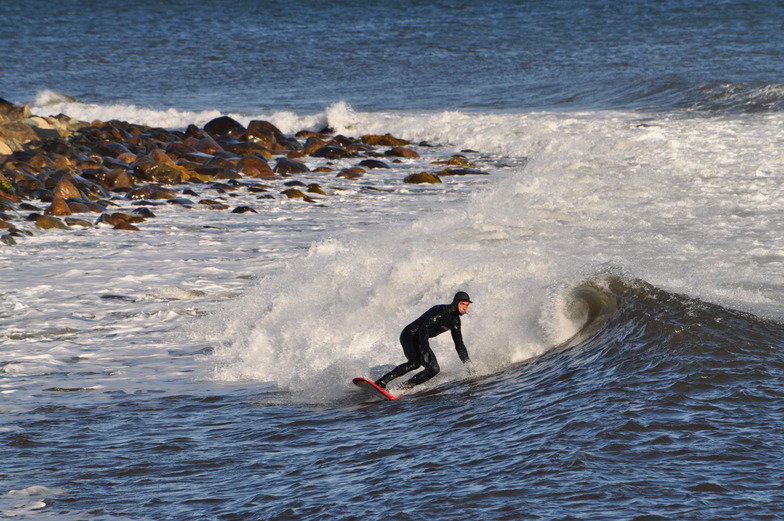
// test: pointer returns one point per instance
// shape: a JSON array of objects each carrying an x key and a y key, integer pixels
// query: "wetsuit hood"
[{"x": 461, "y": 296}]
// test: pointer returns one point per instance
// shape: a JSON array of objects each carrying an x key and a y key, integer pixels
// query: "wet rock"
[
  {"x": 151, "y": 192},
  {"x": 213, "y": 204},
  {"x": 461, "y": 171},
  {"x": 401, "y": 152},
  {"x": 144, "y": 213},
  {"x": 352, "y": 173},
  {"x": 118, "y": 218},
  {"x": 48, "y": 222},
  {"x": 254, "y": 166},
  {"x": 460, "y": 160},
  {"x": 332, "y": 152},
  {"x": 7, "y": 190},
  {"x": 305, "y": 134},
  {"x": 165, "y": 173},
  {"x": 65, "y": 189},
  {"x": 225, "y": 126},
  {"x": 290, "y": 166},
  {"x": 315, "y": 188},
  {"x": 72, "y": 221},
  {"x": 59, "y": 208},
  {"x": 206, "y": 145},
  {"x": 259, "y": 130},
  {"x": 385, "y": 140},
  {"x": 373, "y": 163},
  {"x": 312, "y": 144},
  {"x": 243, "y": 209},
  {"x": 125, "y": 226},
  {"x": 293, "y": 193},
  {"x": 12, "y": 112},
  {"x": 18, "y": 132},
  {"x": 423, "y": 177},
  {"x": 119, "y": 179}
]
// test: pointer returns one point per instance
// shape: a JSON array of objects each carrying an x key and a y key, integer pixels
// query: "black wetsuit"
[{"x": 416, "y": 346}]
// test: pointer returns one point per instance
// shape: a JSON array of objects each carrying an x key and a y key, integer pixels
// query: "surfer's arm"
[{"x": 460, "y": 347}]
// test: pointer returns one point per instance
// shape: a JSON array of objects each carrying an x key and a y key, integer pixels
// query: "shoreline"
[{"x": 57, "y": 172}]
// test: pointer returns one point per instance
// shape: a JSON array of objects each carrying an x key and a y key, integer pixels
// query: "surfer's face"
[{"x": 462, "y": 307}]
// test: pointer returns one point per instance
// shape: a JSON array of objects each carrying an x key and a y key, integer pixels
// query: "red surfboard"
[{"x": 372, "y": 388}]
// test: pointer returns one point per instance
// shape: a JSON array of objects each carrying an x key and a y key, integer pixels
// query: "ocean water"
[{"x": 623, "y": 252}]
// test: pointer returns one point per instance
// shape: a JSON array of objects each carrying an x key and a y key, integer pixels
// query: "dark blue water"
[{"x": 497, "y": 55}]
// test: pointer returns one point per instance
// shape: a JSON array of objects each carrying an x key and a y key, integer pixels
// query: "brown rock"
[
  {"x": 17, "y": 131},
  {"x": 165, "y": 173},
  {"x": 460, "y": 171},
  {"x": 213, "y": 204},
  {"x": 161, "y": 156},
  {"x": 315, "y": 188},
  {"x": 293, "y": 193},
  {"x": 47, "y": 222},
  {"x": 305, "y": 134},
  {"x": 126, "y": 226},
  {"x": 290, "y": 166},
  {"x": 71, "y": 221},
  {"x": 58, "y": 207},
  {"x": 225, "y": 126},
  {"x": 260, "y": 167},
  {"x": 207, "y": 145},
  {"x": 7, "y": 191},
  {"x": 267, "y": 127},
  {"x": 386, "y": 140},
  {"x": 65, "y": 189},
  {"x": 460, "y": 160},
  {"x": 401, "y": 152},
  {"x": 119, "y": 179},
  {"x": 352, "y": 173},
  {"x": 312, "y": 144},
  {"x": 260, "y": 136},
  {"x": 332, "y": 152},
  {"x": 423, "y": 177},
  {"x": 11, "y": 112}
]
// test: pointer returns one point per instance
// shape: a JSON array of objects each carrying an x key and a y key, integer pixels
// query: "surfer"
[{"x": 416, "y": 346}]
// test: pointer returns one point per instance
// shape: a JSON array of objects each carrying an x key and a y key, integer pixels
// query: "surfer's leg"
[
  {"x": 413, "y": 361},
  {"x": 431, "y": 369},
  {"x": 397, "y": 372}
]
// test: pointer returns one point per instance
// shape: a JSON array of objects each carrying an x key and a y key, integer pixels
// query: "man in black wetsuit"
[{"x": 415, "y": 340}]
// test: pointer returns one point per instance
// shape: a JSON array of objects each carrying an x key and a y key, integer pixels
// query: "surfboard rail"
[{"x": 372, "y": 388}]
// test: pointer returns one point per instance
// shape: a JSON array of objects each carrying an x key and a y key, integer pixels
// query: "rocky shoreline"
[{"x": 57, "y": 171}]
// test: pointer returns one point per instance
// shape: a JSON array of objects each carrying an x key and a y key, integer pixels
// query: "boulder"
[
  {"x": 386, "y": 140},
  {"x": 48, "y": 222},
  {"x": 17, "y": 131},
  {"x": 225, "y": 126},
  {"x": 352, "y": 173},
  {"x": 423, "y": 177},
  {"x": 59, "y": 208},
  {"x": 125, "y": 226},
  {"x": 290, "y": 166},
  {"x": 332, "y": 152},
  {"x": 373, "y": 163},
  {"x": 401, "y": 152},
  {"x": 254, "y": 166},
  {"x": 65, "y": 189}
]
